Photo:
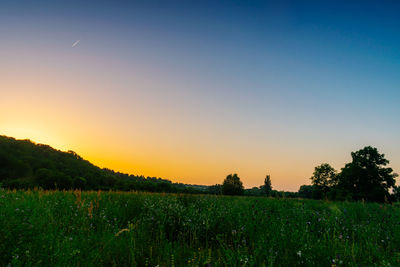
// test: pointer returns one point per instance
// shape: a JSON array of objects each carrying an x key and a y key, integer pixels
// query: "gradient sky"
[{"x": 194, "y": 90}]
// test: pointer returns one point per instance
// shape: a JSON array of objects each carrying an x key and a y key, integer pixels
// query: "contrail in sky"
[{"x": 74, "y": 44}]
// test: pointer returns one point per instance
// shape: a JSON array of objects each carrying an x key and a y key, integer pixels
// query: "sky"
[{"x": 192, "y": 91}]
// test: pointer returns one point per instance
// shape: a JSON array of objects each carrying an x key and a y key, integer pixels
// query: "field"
[{"x": 73, "y": 228}]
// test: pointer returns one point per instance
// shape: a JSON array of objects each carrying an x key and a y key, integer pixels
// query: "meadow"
[{"x": 74, "y": 228}]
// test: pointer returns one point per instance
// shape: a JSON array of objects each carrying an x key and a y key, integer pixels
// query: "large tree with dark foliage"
[
  {"x": 232, "y": 185},
  {"x": 323, "y": 179},
  {"x": 366, "y": 177}
]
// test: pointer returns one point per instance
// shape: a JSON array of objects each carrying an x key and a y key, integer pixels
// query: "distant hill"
[{"x": 25, "y": 164}]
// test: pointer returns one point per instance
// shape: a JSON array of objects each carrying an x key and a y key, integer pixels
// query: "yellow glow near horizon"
[
  {"x": 158, "y": 123},
  {"x": 37, "y": 136},
  {"x": 151, "y": 149},
  {"x": 159, "y": 166},
  {"x": 117, "y": 152}
]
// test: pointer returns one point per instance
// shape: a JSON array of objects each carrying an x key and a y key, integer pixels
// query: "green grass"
[{"x": 55, "y": 228}]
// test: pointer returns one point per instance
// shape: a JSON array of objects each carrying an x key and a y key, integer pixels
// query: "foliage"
[
  {"x": 215, "y": 189},
  {"x": 255, "y": 191},
  {"x": 74, "y": 228},
  {"x": 396, "y": 193},
  {"x": 24, "y": 164},
  {"x": 366, "y": 177},
  {"x": 267, "y": 185},
  {"x": 324, "y": 177},
  {"x": 306, "y": 191},
  {"x": 232, "y": 185}
]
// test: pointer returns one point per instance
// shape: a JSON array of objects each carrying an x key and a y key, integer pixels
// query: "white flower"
[{"x": 299, "y": 253}]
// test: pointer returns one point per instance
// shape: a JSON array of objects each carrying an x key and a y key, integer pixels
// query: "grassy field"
[{"x": 73, "y": 228}]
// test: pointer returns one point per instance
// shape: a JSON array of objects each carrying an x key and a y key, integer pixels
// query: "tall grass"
[{"x": 73, "y": 228}]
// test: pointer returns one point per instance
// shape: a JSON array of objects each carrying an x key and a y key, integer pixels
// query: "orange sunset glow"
[{"x": 154, "y": 99}]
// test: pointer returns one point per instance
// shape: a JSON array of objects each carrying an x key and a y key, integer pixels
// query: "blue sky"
[{"x": 191, "y": 90}]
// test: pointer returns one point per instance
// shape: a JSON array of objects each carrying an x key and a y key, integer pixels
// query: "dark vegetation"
[
  {"x": 232, "y": 185},
  {"x": 96, "y": 228},
  {"x": 365, "y": 178},
  {"x": 24, "y": 164},
  {"x": 86, "y": 228}
]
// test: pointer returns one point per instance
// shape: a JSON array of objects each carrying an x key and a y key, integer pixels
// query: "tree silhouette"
[
  {"x": 396, "y": 193},
  {"x": 232, "y": 185},
  {"x": 306, "y": 191},
  {"x": 24, "y": 164},
  {"x": 324, "y": 177},
  {"x": 215, "y": 189},
  {"x": 366, "y": 177},
  {"x": 267, "y": 185}
]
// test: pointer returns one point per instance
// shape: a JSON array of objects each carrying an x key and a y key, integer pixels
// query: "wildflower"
[{"x": 299, "y": 253}]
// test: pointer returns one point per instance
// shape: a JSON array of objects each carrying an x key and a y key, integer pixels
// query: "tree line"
[
  {"x": 366, "y": 177},
  {"x": 24, "y": 164}
]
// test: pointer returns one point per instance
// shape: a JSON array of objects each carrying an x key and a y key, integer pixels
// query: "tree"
[
  {"x": 396, "y": 193},
  {"x": 267, "y": 185},
  {"x": 232, "y": 185},
  {"x": 63, "y": 181},
  {"x": 24, "y": 164},
  {"x": 306, "y": 191},
  {"x": 324, "y": 177},
  {"x": 255, "y": 191},
  {"x": 79, "y": 183},
  {"x": 366, "y": 177},
  {"x": 45, "y": 178},
  {"x": 215, "y": 189}
]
